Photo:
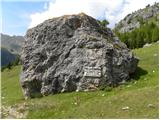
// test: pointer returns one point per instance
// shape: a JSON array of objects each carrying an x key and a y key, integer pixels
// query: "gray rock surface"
[{"x": 73, "y": 53}]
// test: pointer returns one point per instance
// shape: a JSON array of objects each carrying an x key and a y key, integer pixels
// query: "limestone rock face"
[
  {"x": 137, "y": 18},
  {"x": 73, "y": 53}
]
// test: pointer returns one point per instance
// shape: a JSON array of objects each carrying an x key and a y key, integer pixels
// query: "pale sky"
[{"x": 19, "y": 15}]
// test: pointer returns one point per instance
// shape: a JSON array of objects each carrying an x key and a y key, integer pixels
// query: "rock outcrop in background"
[
  {"x": 73, "y": 53},
  {"x": 137, "y": 18}
]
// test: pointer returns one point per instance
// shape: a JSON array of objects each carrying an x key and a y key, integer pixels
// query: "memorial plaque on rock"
[{"x": 92, "y": 72}]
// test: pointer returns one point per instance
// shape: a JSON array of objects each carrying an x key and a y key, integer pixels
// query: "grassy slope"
[{"x": 137, "y": 95}]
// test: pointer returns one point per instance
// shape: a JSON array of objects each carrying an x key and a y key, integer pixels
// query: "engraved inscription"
[{"x": 92, "y": 72}]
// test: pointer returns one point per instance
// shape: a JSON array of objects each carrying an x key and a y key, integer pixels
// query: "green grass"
[
  {"x": 10, "y": 85},
  {"x": 136, "y": 94}
]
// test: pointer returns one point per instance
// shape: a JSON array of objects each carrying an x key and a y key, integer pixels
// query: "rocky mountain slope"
[
  {"x": 73, "y": 53},
  {"x": 139, "y": 28},
  {"x": 12, "y": 43},
  {"x": 135, "y": 19}
]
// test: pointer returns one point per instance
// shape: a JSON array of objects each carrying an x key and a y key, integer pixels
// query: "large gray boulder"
[{"x": 73, "y": 53}]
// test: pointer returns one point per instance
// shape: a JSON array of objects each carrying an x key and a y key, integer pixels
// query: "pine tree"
[
  {"x": 104, "y": 23},
  {"x": 146, "y": 33},
  {"x": 155, "y": 34},
  {"x": 9, "y": 65},
  {"x": 16, "y": 62}
]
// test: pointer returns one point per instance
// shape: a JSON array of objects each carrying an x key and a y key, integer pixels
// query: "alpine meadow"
[{"x": 98, "y": 60}]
